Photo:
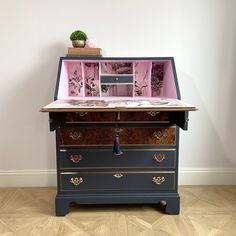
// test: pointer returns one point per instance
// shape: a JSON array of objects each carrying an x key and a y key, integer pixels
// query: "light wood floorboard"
[{"x": 205, "y": 210}]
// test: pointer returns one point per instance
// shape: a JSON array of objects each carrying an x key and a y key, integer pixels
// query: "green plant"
[{"x": 78, "y": 35}]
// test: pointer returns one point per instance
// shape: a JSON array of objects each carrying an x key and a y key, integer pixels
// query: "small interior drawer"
[
  {"x": 128, "y": 136},
  {"x": 117, "y": 181},
  {"x": 116, "y": 79}
]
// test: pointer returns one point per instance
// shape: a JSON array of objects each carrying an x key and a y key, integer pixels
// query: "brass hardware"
[
  {"x": 158, "y": 180},
  {"x": 76, "y": 158},
  {"x": 159, "y": 134},
  {"x": 153, "y": 113},
  {"x": 118, "y": 176},
  {"x": 83, "y": 113},
  {"x": 76, "y": 181},
  {"x": 75, "y": 135},
  {"x": 163, "y": 203},
  {"x": 119, "y": 153},
  {"x": 63, "y": 150},
  {"x": 159, "y": 157}
]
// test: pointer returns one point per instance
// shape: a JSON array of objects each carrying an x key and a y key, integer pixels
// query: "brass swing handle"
[
  {"x": 118, "y": 176},
  {"x": 153, "y": 113},
  {"x": 76, "y": 158},
  {"x": 75, "y": 135},
  {"x": 83, "y": 113},
  {"x": 159, "y": 134},
  {"x": 159, "y": 157},
  {"x": 158, "y": 179},
  {"x": 76, "y": 181}
]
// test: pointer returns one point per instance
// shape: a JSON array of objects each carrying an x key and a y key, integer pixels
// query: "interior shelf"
[{"x": 96, "y": 79}]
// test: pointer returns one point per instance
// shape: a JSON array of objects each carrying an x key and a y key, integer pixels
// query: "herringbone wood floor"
[{"x": 204, "y": 211}]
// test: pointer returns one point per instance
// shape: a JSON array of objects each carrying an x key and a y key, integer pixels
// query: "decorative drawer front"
[
  {"x": 145, "y": 116},
  {"x": 74, "y": 117},
  {"x": 121, "y": 181},
  {"x": 128, "y": 136},
  {"x": 116, "y": 79},
  {"x": 129, "y": 159}
]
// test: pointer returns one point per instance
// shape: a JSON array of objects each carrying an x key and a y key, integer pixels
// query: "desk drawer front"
[
  {"x": 144, "y": 116},
  {"x": 122, "y": 181},
  {"x": 129, "y": 159},
  {"x": 128, "y": 136},
  {"x": 73, "y": 117}
]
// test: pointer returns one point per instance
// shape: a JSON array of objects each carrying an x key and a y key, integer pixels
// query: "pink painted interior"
[
  {"x": 169, "y": 88},
  {"x": 63, "y": 84},
  {"x": 139, "y": 69}
]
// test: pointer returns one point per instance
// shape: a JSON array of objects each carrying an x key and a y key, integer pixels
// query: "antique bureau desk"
[{"x": 117, "y": 131}]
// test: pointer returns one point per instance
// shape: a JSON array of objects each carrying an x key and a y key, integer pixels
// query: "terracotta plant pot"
[{"x": 78, "y": 43}]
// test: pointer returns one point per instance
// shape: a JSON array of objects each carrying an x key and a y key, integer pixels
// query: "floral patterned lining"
[
  {"x": 75, "y": 79},
  {"x": 91, "y": 74}
]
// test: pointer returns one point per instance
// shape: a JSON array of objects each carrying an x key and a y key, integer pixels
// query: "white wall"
[{"x": 200, "y": 34}]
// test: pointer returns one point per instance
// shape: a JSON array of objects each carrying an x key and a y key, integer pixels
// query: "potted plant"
[{"x": 78, "y": 39}]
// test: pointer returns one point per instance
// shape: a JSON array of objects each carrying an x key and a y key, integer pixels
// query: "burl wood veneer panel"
[{"x": 128, "y": 136}]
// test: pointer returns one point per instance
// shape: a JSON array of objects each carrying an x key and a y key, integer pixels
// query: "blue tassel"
[{"x": 116, "y": 147}]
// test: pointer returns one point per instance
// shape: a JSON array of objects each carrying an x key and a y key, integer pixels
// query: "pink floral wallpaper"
[
  {"x": 91, "y": 76},
  {"x": 157, "y": 77},
  {"x": 75, "y": 79},
  {"x": 116, "y": 68}
]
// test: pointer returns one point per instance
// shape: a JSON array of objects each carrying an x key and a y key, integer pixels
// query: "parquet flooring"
[{"x": 208, "y": 210}]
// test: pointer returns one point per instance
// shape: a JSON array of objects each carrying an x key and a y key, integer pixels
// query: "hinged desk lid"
[{"x": 150, "y": 104}]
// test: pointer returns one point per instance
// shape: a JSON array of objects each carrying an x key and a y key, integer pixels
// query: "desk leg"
[
  {"x": 173, "y": 206},
  {"x": 61, "y": 206}
]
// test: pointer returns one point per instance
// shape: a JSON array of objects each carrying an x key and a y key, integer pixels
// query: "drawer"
[
  {"x": 128, "y": 136},
  {"x": 116, "y": 79},
  {"x": 145, "y": 116},
  {"x": 120, "y": 181},
  {"x": 74, "y": 117},
  {"x": 81, "y": 159}
]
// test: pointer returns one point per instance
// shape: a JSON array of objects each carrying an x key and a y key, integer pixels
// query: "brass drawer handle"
[
  {"x": 159, "y": 134},
  {"x": 158, "y": 180},
  {"x": 75, "y": 135},
  {"x": 83, "y": 113},
  {"x": 153, "y": 113},
  {"x": 159, "y": 157},
  {"x": 76, "y": 181},
  {"x": 76, "y": 158},
  {"x": 118, "y": 176}
]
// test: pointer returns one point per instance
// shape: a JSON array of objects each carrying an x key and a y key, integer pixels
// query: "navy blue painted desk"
[{"x": 134, "y": 99}]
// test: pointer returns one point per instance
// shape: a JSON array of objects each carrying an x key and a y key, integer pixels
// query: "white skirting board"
[{"x": 187, "y": 176}]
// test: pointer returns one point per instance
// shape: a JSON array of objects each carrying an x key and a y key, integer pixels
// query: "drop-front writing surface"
[{"x": 117, "y": 131}]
